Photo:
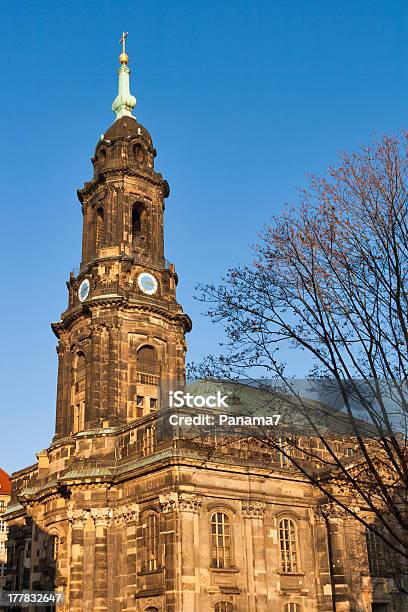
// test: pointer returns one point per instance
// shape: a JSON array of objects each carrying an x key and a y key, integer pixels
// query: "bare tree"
[{"x": 329, "y": 281}]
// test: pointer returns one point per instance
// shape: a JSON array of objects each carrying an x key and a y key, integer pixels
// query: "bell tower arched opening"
[
  {"x": 138, "y": 229},
  {"x": 78, "y": 393},
  {"x": 99, "y": 228}
]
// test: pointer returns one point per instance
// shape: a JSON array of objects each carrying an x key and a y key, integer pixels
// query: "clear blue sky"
[{"x": 243, "y": 99}]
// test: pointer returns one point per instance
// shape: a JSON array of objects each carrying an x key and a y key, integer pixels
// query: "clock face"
[
  {"x": 147, "y": 283},
  {"x": 83, "y": 290}
]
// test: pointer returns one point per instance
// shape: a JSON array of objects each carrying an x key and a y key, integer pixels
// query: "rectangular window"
[
  {"x": 220, "y": 540},
  {"x": 148, "y": 440},
  {"x": 288, "y": 546},
  {"x": 283, "y": 460},
  {"x": 153, "y": 403},
  {"x": 2, "y": 526},
  {"x": 379, "y": 555},
  {"x": 151, "y": 543}
]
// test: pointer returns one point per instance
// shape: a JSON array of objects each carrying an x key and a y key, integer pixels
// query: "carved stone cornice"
[
  {"x": 150, "y": 176},
  {"x": 253, "y": 509}
]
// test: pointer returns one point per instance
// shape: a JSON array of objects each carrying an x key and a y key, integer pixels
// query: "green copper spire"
[{"x": 124, "y": 101}]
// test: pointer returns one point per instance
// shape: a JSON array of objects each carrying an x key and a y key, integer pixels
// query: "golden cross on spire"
[{"x": 123, "y": 41}]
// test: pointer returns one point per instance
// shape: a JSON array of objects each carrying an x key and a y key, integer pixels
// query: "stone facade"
[{"x": 116, "y": 514}]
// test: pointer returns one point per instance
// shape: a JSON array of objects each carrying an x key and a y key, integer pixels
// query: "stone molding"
[
  {"x": 101, "y": 516},
  {"x": 77, "y": 517},
  {"x": 125, "y": 514},
  {"x": 190, "y": 502},
  {"x": 333, "y": 511},
  {"x": 185, "y": 502},
  {"x": 169, "y": 501},
  {"x": 253, "y": 509}
]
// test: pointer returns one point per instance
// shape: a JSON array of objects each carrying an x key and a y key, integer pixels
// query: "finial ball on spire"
[{"x": 123, "y": 58}]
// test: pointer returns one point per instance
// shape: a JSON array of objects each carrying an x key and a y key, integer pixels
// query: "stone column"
[
  {"x": 101, "y": 517},
  {"x": 77, "y": 519},
  {"x": 253, "y": 513}
]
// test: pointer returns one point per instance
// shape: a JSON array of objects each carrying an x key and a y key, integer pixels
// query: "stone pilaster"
[
  {"x": 59, "y": 420},
  {"x": 253, "y": 513},
  {"x": 113, "y": 367},
  {"x": 101, "y": 518},
  {"x": 124, "y": 521},
  {"x": 77, "y": 519},
  {"x": 187, "y": 506},
  {"x": 95, "y": 375}
]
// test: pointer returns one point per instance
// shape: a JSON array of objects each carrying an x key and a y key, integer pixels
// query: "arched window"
[
  {"x": 78, "y": 393},
  {"x": 220, "y": 540},
  {"x": 224, "y": 606},
  {"x": 138, "y": 229},
  {"x": 151, "y": 541},
  {"x": 292, "y": 607},
  {"x": 152, "y": 609},
  {"x": 55, "y": 547},
  {"x": 100, "y": 227},
  {"x": 102, "y": 156},
  {"x": 136, "y": 222},
  {"x": 148, "y": 366},
  {"x": 138, "y": 153},
  {"x": 288, "y": 546}
]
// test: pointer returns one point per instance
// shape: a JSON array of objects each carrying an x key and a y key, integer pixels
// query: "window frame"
[
  {"x": 228, "y": 560},
  {"x": 231, "y": 607},
  {"x": 288, "y": 546},
  {"x": 152, "y": 543},
  {"x": 292, "y": 606}
]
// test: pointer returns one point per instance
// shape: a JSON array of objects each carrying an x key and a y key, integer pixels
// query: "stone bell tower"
[{"x": 123, "y": 331}]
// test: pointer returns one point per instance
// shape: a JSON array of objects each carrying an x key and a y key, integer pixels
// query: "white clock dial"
[
  {"x": 147, "y": 283},
  {"x": 83, "y": 290}
]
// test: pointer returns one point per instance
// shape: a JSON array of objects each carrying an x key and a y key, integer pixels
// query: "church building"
[{"x": 114, "y": 514}]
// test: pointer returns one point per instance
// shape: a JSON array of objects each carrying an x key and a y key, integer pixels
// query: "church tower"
[
  {"x": 117, "y": 516},
  {"x": 123, "y": 331}
]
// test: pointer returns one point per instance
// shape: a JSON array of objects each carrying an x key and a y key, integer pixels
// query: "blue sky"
[{"x": 243, "y": 100}]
